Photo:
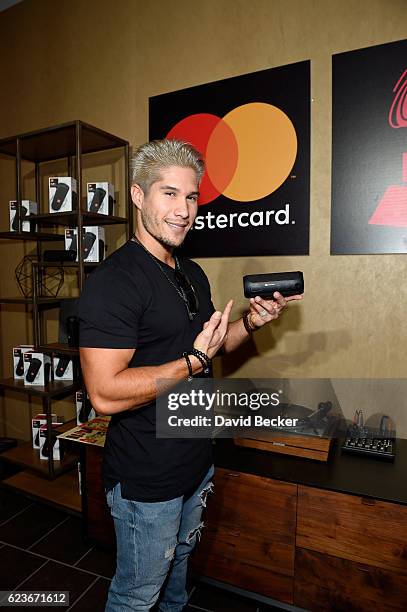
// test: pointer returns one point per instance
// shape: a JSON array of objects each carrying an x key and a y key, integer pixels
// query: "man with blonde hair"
[{"x": 146, "y": 314}]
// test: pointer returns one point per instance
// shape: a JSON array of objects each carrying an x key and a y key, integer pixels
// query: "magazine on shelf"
[{"x": 92, "y": 432}]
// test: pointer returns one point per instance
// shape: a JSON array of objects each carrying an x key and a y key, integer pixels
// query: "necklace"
[{"x": 179, "y": 290}]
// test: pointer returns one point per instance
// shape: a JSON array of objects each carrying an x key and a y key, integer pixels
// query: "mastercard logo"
[{"x": 248, "y": 153}]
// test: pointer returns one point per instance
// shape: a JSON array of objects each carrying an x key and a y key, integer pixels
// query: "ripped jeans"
[{"x": 154, "y": 539}]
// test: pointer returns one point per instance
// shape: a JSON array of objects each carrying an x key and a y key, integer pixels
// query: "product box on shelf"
[
  {"x": 37, "y": 368},
  {"x": 63, "y": 194},
  {"x": 28, "y": 207},
  {"x": 100, "y": 198},
  {"x": 55, "y": 449},
  {"x": 18, "y": 359},
  {"x": 84, "y": 410},
  {"x": 63, "y": 368},
  {"x": 93, "y": 243},
  {"x": 36, "y": 423}
]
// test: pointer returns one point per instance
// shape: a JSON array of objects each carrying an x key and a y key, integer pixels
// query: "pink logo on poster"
[{"x": 392, "y": 208}]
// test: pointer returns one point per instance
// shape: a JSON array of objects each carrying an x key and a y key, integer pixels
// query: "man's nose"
[{"x": 181, "y": 209}]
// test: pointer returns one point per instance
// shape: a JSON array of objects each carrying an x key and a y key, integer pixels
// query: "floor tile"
[
  {"x": 26, "y": 528},
  {"x": 95, "y": 598},
  {"x": 16, "y": 565},
  {"x": 220, "y": 600},
  {"x": 57, "y": 577},
  {"x": 100, "y": 562},
  {"x": 64, "y": 543},
  {"x": 11, "y": 503}
]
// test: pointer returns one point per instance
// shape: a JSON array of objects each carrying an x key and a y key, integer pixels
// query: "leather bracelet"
[
  {"x": 247, "y": 325},
  {"x": 190, "y": 373}
]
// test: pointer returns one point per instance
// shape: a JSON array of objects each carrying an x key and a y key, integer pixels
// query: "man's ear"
[{"x": 137, "y": 195}]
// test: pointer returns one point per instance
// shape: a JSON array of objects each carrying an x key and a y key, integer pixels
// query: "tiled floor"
[{"x": 41, "y": 549}]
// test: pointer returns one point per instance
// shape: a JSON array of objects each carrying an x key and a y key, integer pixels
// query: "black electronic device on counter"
[
  {"x": 264, "y": 285},
  {"x": 378, "y": 443}
]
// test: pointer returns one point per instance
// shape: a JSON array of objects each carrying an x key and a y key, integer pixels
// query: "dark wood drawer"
[
  {"x": 355, "y": 528},
  {"x": 327, "y": 584},
  {"x": 253, "y": 506}
]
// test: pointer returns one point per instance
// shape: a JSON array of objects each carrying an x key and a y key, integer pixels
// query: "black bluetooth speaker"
[
  {"x": 264, "y": 285},
  {"x": 97, "y": 200},
  {"x": 20, "y": 365},
  {"x": 59, "y": 196},
  {"x": 59, "y": 255},
  {"x": 62, "y": 364},
  {"x": 87, "y": 243},
  {"x": 33, "y": 369},
  {"x": 20, "y": 214}
]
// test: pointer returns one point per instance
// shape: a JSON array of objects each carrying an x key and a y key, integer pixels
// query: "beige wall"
[{"x": 100, "y": 61}]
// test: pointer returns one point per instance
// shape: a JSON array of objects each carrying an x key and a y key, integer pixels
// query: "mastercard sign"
[{"x": 253, "y": 132}]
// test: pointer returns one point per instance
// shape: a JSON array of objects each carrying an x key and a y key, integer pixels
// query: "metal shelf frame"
[{"x": 68, "y": 141}]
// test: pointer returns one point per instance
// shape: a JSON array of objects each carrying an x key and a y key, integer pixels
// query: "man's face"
[{"x": 169, "y": 208}]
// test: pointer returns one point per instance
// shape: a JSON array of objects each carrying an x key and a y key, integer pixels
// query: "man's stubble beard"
[{"x": 149, "y": 222}]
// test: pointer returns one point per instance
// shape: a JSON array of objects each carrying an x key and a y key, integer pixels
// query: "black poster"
[
  {"x": 254, "y": 132},
  {"x": 369, "y": 159}
]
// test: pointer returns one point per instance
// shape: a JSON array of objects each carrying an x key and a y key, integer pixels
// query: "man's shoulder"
[
  {"x": 125, "y": 262},
  {"x": 191, "y": 266},
  {"x": 118, "y": 277}
]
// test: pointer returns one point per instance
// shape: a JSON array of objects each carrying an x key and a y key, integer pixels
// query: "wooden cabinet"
[
  {"x": 249, "y": 534},
  {"x": 320, "y": 550},
  {"x": 324, "y": 583},
  {"x": 352, "y": 527},
  {"x": 98, "y": 520},
  {"x": 351, "y": 552}
]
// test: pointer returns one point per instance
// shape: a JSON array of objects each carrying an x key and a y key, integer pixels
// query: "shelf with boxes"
[{"x": 76, "y": 213}]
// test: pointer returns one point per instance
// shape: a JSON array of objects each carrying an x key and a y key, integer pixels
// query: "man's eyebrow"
[{"x": 164, "y": 187}]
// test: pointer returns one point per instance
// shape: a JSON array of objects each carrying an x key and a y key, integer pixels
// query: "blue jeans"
[{"x": 154, "y": 539}]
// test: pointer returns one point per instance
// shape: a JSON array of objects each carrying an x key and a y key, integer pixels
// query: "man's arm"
[
  {"x": 261, "y": 312},
  {"x": 114, "y": 387}
]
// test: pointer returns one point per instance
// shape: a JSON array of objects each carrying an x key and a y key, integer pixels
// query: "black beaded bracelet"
[
  {"x": 201, "y": 356},
  {"x": 190, "y": 373},
  {"x": 204, "y": 360}
]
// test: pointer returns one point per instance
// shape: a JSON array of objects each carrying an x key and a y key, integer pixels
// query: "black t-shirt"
[{"x": 127, "y": 302}]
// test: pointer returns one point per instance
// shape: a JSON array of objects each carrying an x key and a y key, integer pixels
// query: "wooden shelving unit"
[
  {"x": 59, "y": 348},
  {"x": 50, "y": 480},
  {"x": 33, "y": 237},
  {"x": 43, "y": 301},
  {"x": 28, "y": 457},
  {"x": 63, "y": 492},
  {"x": 69, "y": 218},
  {"x": 55, "y": 388}
]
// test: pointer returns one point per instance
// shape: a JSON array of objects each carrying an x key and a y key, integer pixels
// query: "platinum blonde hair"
[{"x": 152, "y": 157}]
